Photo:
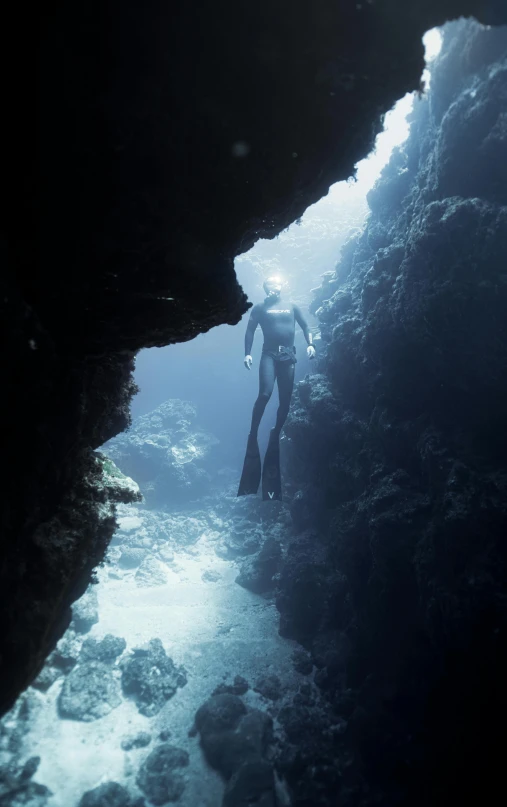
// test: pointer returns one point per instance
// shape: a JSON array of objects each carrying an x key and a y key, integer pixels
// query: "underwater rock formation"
[
  {"x": 17, "y": 787},
  {"x": 257, "y": 572},
  {"x": 109, "y": 794},
  {"x": 155, "y": 167},
  {"x": 41, "y": 586},
  {"x": 235, "y": 741},
  {"x": 139, "y": 740},
  {"x": 150, "y": 677},
  {"x": 167, "y": 454},
  {"x": 159, "y": 777},
  {"x": 396, "y": 582},
  {"x": 85, "y": 611},
  {"x": 89, "y": 692}
]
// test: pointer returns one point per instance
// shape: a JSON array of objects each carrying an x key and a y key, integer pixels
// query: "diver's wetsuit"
[{"x": 278, "y": 323}]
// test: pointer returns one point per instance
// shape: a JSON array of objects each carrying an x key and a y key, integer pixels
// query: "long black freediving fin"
[
  {"x": 251, "y": 475},
  {"x": 271, "y": 479}
]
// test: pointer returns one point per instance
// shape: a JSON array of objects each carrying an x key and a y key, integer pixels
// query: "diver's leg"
[
  {"x": 266, "y": 384},
  {"x": 285, "y": 379}
]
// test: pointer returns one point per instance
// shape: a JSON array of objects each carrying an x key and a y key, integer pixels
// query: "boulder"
[
  {"x": 239, "y": 540},
  {"x": 131, "y": 557},
  {"x": 269, "y": 686},
  {"x": 150, "y": 677},
  {"x": 210, "y": 576},
  {"x": 302, "y": 661},
  {"x": 238, "y": 687},
  {"x": 47, "y": 677},
  {"x": 66, "y": 653},
  {"x": 220, "y": 713},
  {"x": 17, "y": 789},
  {"x": 231, "y": 735},
  {"x": 89, "y": 692},
  {"x": 256, "y": 573},
  {"x": 159, "y": 776},
  {"x": 30, "y": 794},
  {"x": 107, "y": 649},
  {"x": 139, "y": 740},
  {"x": 109, "y": 794},
  {"x": 253, "y": 785},
  {"x": 85, "y": 611}
]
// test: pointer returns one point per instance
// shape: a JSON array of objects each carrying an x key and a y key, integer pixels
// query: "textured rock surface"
[
  {"x": 252, "y": 784},
  {"x": 160, "y": 777},
  {"x": 257, "y": 572},
  {"x": 235, "y": 741},
  {"x": 57, "y": 569},
  {"x": 167, "y": 453},
  {"x": 150, "y": 677},
  {"x": 239, "y": 686},
  {"x": 151, "y": 573},
  {"x": 110, "y": 794},
  {"x": 396, "y": 582},
  {"x": 89, "y": 692},
  {"x": 140, "y": 740},
  {"x": 121, "y": 229},
  {"x": 269, "y": 686},
  {"x": 18, "y": 789},
  {"x": 85, "y": 612},
  {"x": 107, "y": 649}
]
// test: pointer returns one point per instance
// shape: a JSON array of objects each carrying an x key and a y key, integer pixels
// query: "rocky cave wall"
[
  {"x": 163, "y": 142},
  {"x": 396, "y": 579}
]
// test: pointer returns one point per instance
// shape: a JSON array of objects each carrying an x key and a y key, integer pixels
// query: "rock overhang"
[{"x": 169, "y": 142}]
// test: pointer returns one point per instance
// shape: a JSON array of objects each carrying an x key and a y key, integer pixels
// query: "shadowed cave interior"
[{"x": 165, "y": 641}]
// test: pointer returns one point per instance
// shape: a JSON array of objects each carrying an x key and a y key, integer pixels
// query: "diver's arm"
[
  {"x": 301, "y": 321},
  {"x": 249, "y": 336}
]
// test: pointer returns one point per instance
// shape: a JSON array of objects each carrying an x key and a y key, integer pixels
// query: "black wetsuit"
[{"x": 277, "y": 320}]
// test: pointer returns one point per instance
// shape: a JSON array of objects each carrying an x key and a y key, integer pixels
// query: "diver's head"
[{"x": 273, "y": 287}]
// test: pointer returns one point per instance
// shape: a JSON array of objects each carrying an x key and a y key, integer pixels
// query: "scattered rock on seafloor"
[
  {"x": 256, "y": 573},
  {"x": 17, "y": 789},
  {"x": 231, "y": 734},
  {"x": 151, "y": 573},
  {"x": 109, "y": 794},
  {"x": 131, "y": 557},
  {"x": 235, "y": 741},
  {"x": 252, "y": 784},
  {"x": 89, "y": 692},
  {"x": 107, "y": 649},
  {"x": 159, "y": 777},
  {"x": 66, "y": 653},
  {"x": 85, "y": 611},
  {"x": 63, "y": 658},
  {"x": 47, "y": 677},
  {"x": 239, "y": 542},
  {"x": 210, "y": 576},
  {"x": 139, "y": 740},
  {"x": 269, "y": 686},
  {"x": 151, "y": 677},
  {"x": 166, "y": 553},
  {"x": 302, "y": 661},
  {"x": 238, "y": 687}
]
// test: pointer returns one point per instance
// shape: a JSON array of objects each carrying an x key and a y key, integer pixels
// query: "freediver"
[{"x": 277, "y": 320}]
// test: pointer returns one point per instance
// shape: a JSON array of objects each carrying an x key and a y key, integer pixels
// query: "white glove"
[
  {"x": 310, "y": 352},
  {"x": 248, "y": 361}
]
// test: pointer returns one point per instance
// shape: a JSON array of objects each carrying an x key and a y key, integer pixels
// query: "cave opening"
[{"x": 248, "y": 615}]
